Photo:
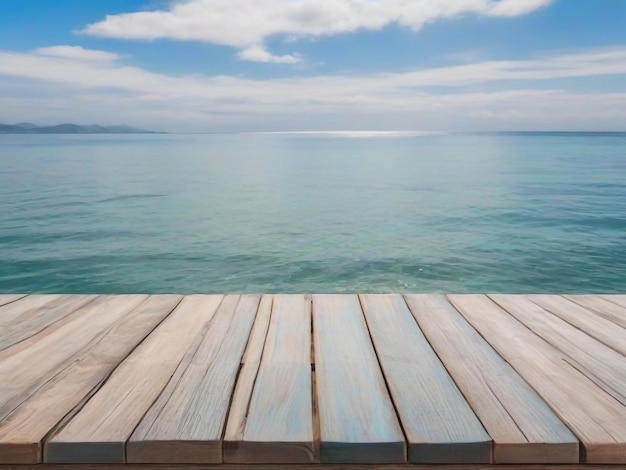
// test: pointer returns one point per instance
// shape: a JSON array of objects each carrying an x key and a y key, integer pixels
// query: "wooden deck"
[{"x": 316, "y": 381}]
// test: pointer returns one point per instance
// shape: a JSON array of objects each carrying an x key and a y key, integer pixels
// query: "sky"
[{"x": 295, "y": 65}]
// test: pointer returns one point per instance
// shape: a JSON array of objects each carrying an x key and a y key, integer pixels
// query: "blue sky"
[{"x": 241, "y": 65}]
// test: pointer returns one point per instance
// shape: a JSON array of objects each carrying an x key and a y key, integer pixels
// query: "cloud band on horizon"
[{"x": 65, "y": 80}]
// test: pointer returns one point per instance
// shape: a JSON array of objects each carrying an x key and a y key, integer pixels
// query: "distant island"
[{"x": 29, "y": 128}]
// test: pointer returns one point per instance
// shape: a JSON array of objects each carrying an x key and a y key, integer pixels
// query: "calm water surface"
[{"x": 313, "y": 213}]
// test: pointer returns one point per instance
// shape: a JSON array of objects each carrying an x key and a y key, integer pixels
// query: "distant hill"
[
  {"x": 29, "y": 128},
  {"x": 26, "y": 125}
]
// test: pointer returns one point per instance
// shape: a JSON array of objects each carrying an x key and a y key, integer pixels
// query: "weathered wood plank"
[
  {"x": 594, "y": 325},
  {"x": 279, "y": 428},
  {"x": 258, "y": 336},
  {"x": 191, "y": 419},
  {"x": 523, "y": 427},
  {"x": 98, "y": 433},
  {"x": 251, "y": 361},
  {"x": 49, "y": 353},
  {"x": 594, "y": 416},
  {"x": 10, "y": 298},
  {"x": 578, "y": 371},
  {"x": 616, "y": 299},
  {"x": 279, "y": 424},
  {"x": 439, "y": 424},
  {"x": 29, "y": 340},
  {"x": 18, "y": 307},
  {"x": 602, "y": 306},
  {"x": 155, "y": 410},
  {"x": 358, "y": 423},
  {"x": 601, "y": 364},
  {"x": 56, "y": 401},
  {"x": 289, "y": 335},
  {"x": 33, "y": 320}
]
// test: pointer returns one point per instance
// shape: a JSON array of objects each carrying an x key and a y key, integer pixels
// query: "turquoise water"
[{"x": 313, "y": 213}]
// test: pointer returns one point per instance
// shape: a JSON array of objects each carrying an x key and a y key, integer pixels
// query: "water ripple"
[{"x": 289, "y": 213}]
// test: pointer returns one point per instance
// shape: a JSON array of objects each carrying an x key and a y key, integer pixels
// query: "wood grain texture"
[
  {"x": 50, "y": 353},
  {"x": 357, "y": 420},
  {"x": 9, "y": 298},
  {"x": 98, "y": 433},
  {"x": 33, "y": 320},
  {"x": 14, "y": 309},
  {"x": 594, "y": 416},
  {"x": 601, "y": 364},
  {"x": 93, "y": 373},
  {"x": 256, "y": 342},
  {"x": 251, "y": 361},
  {"x": 57, "y": 399},
  {"x": 439, "y": 424},
  {"x": 191, "y": 416},
  {"x": 602, "y": 306},
  {"x": 616, "y": 299},
  {"x": 155, "y": 410},
  {"x": 594, "y": 325},
  {"x": 521, "y": 424},
  {"x": 279, "y": 422}
]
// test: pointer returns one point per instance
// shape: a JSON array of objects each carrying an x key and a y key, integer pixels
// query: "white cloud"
[
  {"x": 384, "y": 87},
  {"x": 246, "y": 24},
  {"x": 76, "y": 52},
  {"x": 511, "y": 8},
  {"x": 258, "y": 53},
  {"x": 527, "y": 94}
]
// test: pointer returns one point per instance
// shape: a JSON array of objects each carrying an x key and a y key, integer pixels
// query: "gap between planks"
[
  {"x": 70, "y": 415},
  {"x": 275, "y": 389},
  {"x": 22, "y": 436},
  {"x": 385, "y": 379}
]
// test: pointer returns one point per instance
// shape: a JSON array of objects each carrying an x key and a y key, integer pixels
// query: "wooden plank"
[
  {"x": 251, "y": 361},
  {"x": 56, "y": 401},
  {"x": 439, "y": 424},
  {"x": 601, "y": 364},
  {"x": 279, "y": 428},
  {"x": 33, "y": 320},
  {"x": 190, "y": 422},
  {"x": 521, "y": 424},
  {"x": 602, "y": 306},
  {"x": 616, "y": 299},
  {"x": 155, "y": 410},
  {"x": 9, "y": 298},
  {"x": 358, "y": 423},
  {"x": 30, "y": 316},
  {"x": 594, "y": 325},
  {"x": 256, "y": 342},
  {"x": 49, "y": 353},
  {"x": 98, "y": 433},
  {"x": 594, "y": 416},
  {"x": 279, "y": 424},
  {"x": 13, "y": 310}
]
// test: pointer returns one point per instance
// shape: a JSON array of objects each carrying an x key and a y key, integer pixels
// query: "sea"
[{"x": 314, "y": 212}]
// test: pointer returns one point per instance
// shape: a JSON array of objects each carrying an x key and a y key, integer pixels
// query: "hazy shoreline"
[{"x": 29, "y": 128}]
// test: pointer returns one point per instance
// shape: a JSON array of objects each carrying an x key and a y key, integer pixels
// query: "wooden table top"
[{"x": 302, "y": 380}]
